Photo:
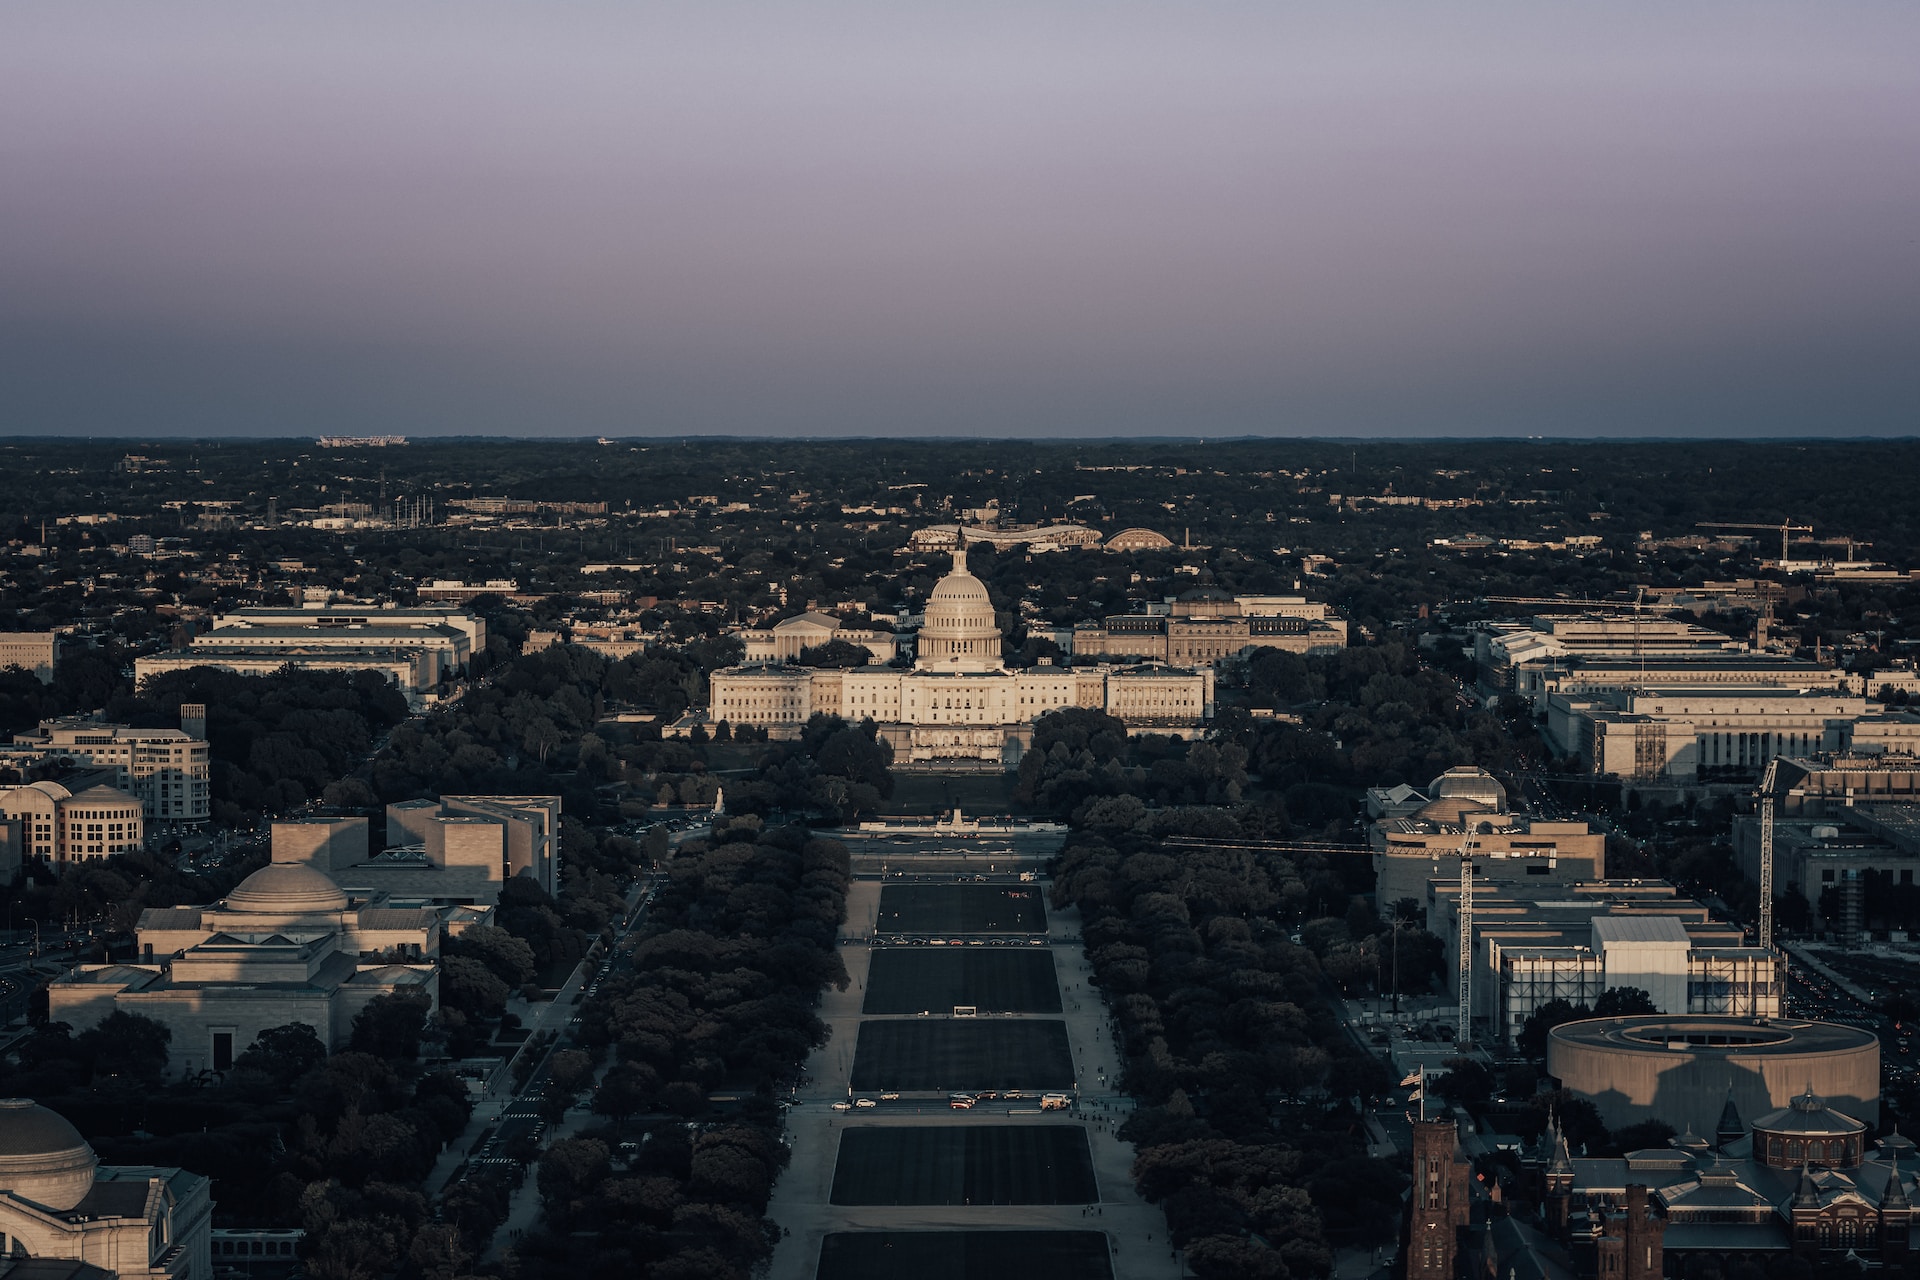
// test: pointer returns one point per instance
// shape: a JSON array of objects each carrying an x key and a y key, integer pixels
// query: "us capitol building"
[{"x": 959, "y": 701}]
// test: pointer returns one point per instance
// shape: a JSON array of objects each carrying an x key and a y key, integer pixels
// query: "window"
[{"x": 222, "y": 1050}]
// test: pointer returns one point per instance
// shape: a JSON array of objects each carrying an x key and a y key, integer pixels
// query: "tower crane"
[
  {"x": 1464, "y": 963},
  {"x": 1784, "y": 528},
  {"x": 1769, "y": 784}
]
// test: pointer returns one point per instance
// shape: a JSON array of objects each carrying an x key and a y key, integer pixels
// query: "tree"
[
  {"x": 835, "y": 653},
  {"x": 127, "y": 1045},
  {"x": 625, "y": 1089},
  {"x": 1578, "y": 1118},
  {"x": 570, "y": 1070},
  {"x": 507, "y": 957},
  {"x": 283, "y": 1054},
  {"x": 1466, "y": 1082},
  {"x": 391, "y": 1025},
  {"x": 570, "y": 1168},
  {"x": 470, "y": 987},
  {"x": 1644, "y": 1135},
  {"x": 1539, "y": 1023},
  {"x": 1620, "y": 1002}
]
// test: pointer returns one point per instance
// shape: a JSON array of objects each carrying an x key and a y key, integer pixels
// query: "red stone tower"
[
  {"x": 1437, "y": 1206},
  {"x": 1632, "y": 1246}
]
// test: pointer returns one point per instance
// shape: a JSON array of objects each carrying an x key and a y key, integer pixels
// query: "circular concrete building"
[{"x": 1680, "y": 1068}]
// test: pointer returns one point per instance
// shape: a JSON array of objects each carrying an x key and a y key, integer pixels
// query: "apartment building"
[{"x": 168, "y": 770}]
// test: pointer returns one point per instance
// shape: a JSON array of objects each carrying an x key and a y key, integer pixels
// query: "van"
[{"x": 1055, "y": 1101}]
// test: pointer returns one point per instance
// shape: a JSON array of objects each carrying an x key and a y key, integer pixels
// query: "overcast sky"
[{"x": 1034, "y": 218}]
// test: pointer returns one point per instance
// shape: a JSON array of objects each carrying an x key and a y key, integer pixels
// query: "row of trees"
[
  {"x": 835, "y": 771},
  {"x": 1081, "y": 755},
  {"x": 276, "y": 742},
  {"x": 1228, "y": 1043},
  {"x": 1372, "y": 715},
  {"x": 724, "y": 990}
]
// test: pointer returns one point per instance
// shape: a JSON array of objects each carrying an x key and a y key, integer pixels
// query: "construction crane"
[
  {"x": 1769, "y": 782},
  {"x": 1767, "y": 798},
  {"x": 1464, "y": 963},
  {"x": 1784, "y": 529}
]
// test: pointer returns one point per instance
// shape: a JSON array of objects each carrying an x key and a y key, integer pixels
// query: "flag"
[
  {"x": 1413, "y": 1077},
  {"x": 1414, "y": 1096}
]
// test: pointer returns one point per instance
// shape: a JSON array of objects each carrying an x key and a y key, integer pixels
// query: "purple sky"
[{"x": 1032, "y": 218}]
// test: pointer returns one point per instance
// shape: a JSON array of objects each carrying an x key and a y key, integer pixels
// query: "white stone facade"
[
  {"x": 959, "y": 701},
  {"x": 168, "y": 769}
]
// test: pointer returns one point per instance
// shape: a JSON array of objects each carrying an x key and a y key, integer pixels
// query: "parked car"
[{"x": 865, "y": 1103}]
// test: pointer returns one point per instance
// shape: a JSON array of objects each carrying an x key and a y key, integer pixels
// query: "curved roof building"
[
  {"x": 287, "y": 889},
  {"x": 1681, "y": 1069},
  {"x": 1138, "y": 540}
]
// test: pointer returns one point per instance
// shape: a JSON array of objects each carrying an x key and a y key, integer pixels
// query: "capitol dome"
[
  {"x": 959, "y": 621},
  {"x": 287, "y": 889},
  {"x": 42, "y": 1157}
]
